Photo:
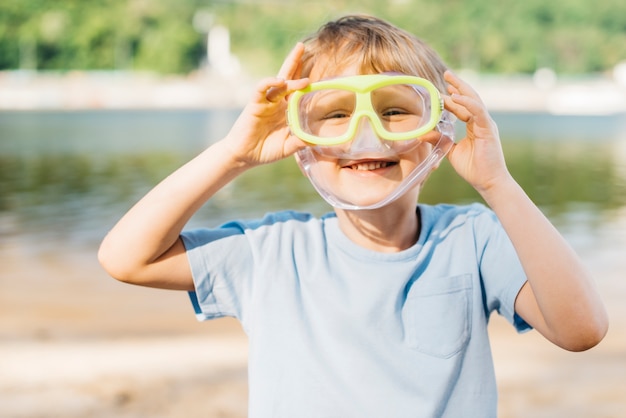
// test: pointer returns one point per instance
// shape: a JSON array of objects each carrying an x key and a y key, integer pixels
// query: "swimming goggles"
[{"x": 398, "y": 107}]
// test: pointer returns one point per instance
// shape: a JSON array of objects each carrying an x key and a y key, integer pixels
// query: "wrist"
[
  {"x": 228, "y": 157},
  {"x": 499, "y": 190}
]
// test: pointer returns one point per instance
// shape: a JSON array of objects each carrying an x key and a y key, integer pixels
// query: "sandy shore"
[{"x": 74, "y": 343}]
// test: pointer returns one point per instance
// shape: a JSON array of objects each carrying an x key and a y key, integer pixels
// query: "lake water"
[{"x": 66, "y": 177}]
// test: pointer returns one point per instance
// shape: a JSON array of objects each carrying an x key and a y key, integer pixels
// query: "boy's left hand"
[{"x": 478, "y": 157}]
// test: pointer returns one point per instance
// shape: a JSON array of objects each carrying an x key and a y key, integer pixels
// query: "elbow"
[
  {"x": 585, "y": 343},
  {"x": 113, "y": 264},
  {"x": 588, "y": 336}
]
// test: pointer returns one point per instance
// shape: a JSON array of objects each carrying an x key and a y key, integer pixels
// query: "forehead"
[
  {"x": 326, "y": 67},
  {"x": 341, "y": 63}
]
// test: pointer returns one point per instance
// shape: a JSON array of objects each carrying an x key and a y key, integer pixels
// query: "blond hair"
[{"x": 375, "y": 46}]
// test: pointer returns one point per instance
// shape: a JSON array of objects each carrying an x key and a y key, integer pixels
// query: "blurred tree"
[{"x": 571, "y": 36}]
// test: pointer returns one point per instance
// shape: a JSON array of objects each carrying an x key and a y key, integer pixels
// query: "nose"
[{"x": 366, "y": 141}]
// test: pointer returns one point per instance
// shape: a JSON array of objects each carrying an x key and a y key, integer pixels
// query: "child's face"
[{"x": 365, "y": 180}]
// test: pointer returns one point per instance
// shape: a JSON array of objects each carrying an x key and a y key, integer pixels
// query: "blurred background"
[{"x": 100, "y": 100}]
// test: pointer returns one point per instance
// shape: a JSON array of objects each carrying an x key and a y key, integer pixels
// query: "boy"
[{"x": 380, "y": 308}]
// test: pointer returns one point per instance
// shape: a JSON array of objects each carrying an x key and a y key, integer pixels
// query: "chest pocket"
[{"x": 437, "y": 315}]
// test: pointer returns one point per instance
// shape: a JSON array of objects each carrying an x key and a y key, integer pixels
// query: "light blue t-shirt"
[{"x": 337, "y": 330}]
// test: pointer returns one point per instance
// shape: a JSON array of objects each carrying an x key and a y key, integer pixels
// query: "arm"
[
  {"x": 144, "y": 247},
  {"x": 559, "y": 300}
]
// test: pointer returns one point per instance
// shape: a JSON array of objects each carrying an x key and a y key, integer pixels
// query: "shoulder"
[
  {"x": 279, "y": 226},
  {"x": 446, "y": 214},
  {"x": 269, "y": 223},
  {"x": 281, "y": 219},
  {"x": 475, "y": 222}
]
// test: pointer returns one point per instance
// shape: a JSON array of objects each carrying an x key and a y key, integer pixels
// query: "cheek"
[
  {"x": 416, "y": 155},
  {"x": 324, "y": 160}
]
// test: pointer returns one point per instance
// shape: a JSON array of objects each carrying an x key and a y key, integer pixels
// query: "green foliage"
[{"x": 504, "y": 36}]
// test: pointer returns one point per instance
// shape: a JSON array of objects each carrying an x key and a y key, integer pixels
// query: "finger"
[
  {"x": 463, "y": 101},
  {"x": 472, "y": 106},
  {"x": 276, "y": 93},
  {"x": 268, "y": 89},
  {"x": 294, "y": 144},
  {"x": 297, "y": 71},
  {"x": 292, "y": 63},
  {"x": 453, "y": 90},
  {"x": 289, "y": 69},
  {"x": 460, "y": 111},
  {"x": 458, "y": 86},
  {"x": 279, "y": 92}
]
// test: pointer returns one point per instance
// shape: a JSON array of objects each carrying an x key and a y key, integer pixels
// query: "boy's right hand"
[
  {"x": 261, "y": 135},
  {"x": 145, "y": 247}
]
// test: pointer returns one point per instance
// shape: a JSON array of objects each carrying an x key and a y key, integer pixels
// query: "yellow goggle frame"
[{"x": 362, "y": 86}]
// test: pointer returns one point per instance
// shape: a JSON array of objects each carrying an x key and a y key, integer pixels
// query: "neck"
[{"x": 392, "y": 228}]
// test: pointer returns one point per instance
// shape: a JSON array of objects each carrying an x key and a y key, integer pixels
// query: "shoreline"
[{"x": 76, "y": 90}]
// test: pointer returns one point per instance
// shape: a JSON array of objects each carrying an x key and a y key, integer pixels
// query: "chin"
[{"x": 406, "y": 201}]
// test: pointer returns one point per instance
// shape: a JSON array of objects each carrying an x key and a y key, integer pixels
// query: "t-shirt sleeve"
[
  {"x": 501, "y": 270},
  {"x": 220, "y": 261}
]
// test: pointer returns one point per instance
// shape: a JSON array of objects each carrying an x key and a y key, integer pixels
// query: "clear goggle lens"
[{"x": 399, "y": 108}]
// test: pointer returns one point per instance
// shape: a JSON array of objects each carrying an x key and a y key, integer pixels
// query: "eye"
[
  {"x": 337, "y": 114},
  {"x": 393, "y": 112}
]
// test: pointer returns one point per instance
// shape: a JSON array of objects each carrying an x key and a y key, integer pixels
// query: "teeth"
[{"x": 374, "y": 165}]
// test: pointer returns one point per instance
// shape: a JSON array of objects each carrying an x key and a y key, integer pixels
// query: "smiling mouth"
[{"x": 370, "y": 165}]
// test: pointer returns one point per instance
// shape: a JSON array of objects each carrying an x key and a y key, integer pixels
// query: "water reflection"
[
  {"x": 72, "y": 175},
  {"x": 558, "y": 176}
]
